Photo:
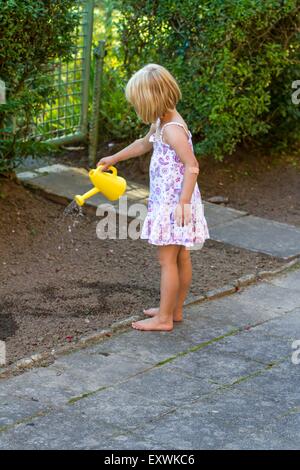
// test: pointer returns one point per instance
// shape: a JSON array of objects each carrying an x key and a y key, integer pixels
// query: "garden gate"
[{"x": 65, "y": 118}]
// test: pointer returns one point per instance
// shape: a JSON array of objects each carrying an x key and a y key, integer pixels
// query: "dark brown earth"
[{"x": 60, "y": 282}]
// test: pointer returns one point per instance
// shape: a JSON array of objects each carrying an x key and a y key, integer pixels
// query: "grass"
[
  {"x": 197, "y": 348},
  {"x": 85, "y": 395}
]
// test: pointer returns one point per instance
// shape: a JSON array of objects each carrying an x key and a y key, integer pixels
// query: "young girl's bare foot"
[
  {"x": 178, "y": 315},
  {"x": 153, "y": 324},
  {"x": 152, "y": 312}
]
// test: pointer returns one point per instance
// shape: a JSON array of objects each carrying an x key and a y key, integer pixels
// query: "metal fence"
[{"x": 65, "y": 118}]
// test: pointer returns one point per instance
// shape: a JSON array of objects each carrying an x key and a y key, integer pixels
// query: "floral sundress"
[{"x": 166, "y": 179}]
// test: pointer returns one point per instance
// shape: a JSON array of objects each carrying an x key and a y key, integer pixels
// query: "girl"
[{"x": 175, "y": 220}]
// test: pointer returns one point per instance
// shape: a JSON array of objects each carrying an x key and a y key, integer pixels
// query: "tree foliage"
[{"x": 235, "y": 61}]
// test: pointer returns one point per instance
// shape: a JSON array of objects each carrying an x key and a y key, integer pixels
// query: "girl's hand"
[
  {"x": 106, "y": 162},
  {"x": 183, "y": 214}
]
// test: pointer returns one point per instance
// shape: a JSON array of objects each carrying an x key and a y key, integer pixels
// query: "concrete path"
[
  {"x": 226, "y": 225},
  {"x": 224, "y": 379}
]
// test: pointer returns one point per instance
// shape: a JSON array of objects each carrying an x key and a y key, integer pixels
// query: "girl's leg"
[
  {"x": 185, "y": 277},
  {"x": 169, "y": 286}
]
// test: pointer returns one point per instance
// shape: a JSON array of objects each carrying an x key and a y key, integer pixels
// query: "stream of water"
[{"x": 74, "y": 210}]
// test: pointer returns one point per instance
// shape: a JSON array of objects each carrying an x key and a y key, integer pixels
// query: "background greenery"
[{"x": 235, "y": 62}]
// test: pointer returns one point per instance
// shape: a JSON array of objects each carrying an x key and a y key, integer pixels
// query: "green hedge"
[
  {"x": 32, "y": 34},
  {"x": 235, "y": 61}
]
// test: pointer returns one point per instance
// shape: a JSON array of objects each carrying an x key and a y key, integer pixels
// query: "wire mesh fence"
[{"x": 65, "y": 117}]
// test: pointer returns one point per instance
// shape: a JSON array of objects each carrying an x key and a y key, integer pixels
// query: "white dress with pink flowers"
[{"x": 166, "y": 178}]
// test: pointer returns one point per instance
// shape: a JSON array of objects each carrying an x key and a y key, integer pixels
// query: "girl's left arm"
[{"x": 178, "y": 140}]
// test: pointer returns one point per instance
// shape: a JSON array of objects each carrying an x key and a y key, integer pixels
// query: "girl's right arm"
[{"x": 137, "y": 148}]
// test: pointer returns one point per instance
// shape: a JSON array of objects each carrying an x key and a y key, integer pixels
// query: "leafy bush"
[
  {"x": 32, "y": 34},
  {"x": 234, "y": 60},
  {"x": 117, "y": 119}
]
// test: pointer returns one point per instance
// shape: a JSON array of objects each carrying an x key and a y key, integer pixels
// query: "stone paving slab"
[
  {"x": 289, "y": 280},
  {"x": 238, "y": 389},
  {"x": 226, "y": 224},
  {"x": 286, "y": 327},
  {"x": 71, "y": 376},
  {"x": 80, "y": 432},
  {"x": 66, "y": 182},
  {"x": 261, "y": 303},
  {"x": 218, "y": 367},
  {"x": 268, "y": 348},
  {"x": 172, "y": 388},
  {"x": 160, "y": 346},
  {"x": 15, "y": 409},
  {"x": 260, "y": 235},
  {"x": 216, "y": 214},
  {"x": 282, "y": 434},
  {"x": 133, "y": 409},
  {"x": 223, "y": 421},
  {"x": 45, "y": 432},
  {"x": 280, "y": 383}
]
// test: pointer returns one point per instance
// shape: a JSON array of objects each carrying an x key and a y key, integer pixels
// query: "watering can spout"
[
  {"x": 109, "y": 184},
  {"x": 81, "y": 199}
]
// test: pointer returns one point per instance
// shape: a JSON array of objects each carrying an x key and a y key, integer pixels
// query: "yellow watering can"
[{"x": 110, "y": 185}]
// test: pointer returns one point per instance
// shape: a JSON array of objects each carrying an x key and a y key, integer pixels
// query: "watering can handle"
[{"x": 112, "y": 168}]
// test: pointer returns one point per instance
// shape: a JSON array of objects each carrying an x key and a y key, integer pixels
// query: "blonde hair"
[{"x": 152, "y": 91}]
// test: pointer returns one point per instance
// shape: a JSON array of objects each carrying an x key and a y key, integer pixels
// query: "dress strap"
[{"x": 177, "y": 124}]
